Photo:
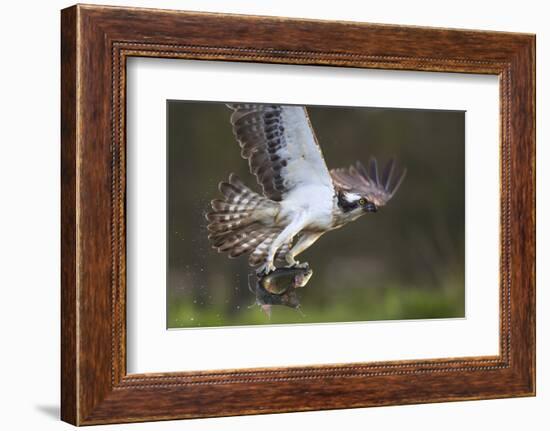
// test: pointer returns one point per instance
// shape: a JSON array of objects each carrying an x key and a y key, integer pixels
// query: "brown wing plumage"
[
  {"x": 368, "y": 182},
  {"x": 280, "y": 146},
  {"x": 237, "y": 223}
]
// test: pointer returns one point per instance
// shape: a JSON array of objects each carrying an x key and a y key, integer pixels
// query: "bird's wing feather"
[
  {"x": 280, "y": 146},
  {"x": 377, "y": 188}
]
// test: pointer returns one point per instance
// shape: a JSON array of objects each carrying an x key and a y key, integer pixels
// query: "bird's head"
[
  {"x": 354, "y": 202},
  {"x": 360, "y": 191},
  {"x": 354, "y": 205}
]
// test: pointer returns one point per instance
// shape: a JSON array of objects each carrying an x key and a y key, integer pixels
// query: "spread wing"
[
  {"x": 280, "y": 146},
  {"x": 368, "y": 183}
]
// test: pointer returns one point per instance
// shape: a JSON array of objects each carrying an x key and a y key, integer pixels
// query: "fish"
[
  {"x": 282, "y": 279},
  {"x": 279, "y": 288}
]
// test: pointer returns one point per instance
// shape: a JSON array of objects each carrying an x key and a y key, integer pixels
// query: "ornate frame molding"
[{"x": 96, "y": 41}]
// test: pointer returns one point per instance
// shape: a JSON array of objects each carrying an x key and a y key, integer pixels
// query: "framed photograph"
[{"x": 326, "y": 214}]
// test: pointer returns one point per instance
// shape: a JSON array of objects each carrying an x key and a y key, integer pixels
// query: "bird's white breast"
[{"x": 315, "y": 202}]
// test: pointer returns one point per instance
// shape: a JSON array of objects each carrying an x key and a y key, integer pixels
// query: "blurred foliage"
[{"x": 404, "y": 262}]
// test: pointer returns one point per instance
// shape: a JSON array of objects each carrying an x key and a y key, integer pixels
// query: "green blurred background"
[{"x": 404, "y": 262}]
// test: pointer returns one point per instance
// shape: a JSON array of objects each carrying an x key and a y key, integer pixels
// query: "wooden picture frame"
[{"x": 95, "y": 43}]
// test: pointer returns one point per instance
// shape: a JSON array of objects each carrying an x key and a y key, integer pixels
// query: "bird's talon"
[
  {"x": 296, "y": 264},
  {"x": 264, "y": 270}
]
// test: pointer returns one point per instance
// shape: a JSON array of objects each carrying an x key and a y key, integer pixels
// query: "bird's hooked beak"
[{"x": 370, "y": 208}]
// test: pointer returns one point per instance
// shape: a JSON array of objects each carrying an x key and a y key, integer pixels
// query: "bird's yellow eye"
[{"x": 362, "y": 201}]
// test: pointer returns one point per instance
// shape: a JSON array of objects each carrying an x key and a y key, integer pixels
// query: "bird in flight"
[{"x": 301, "y": 199}]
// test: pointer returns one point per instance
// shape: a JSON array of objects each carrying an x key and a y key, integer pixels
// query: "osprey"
[{"x": 301, "y": 199}]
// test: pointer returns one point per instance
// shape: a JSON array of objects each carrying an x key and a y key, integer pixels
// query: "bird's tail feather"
[{"x": 236, "y": 222}]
